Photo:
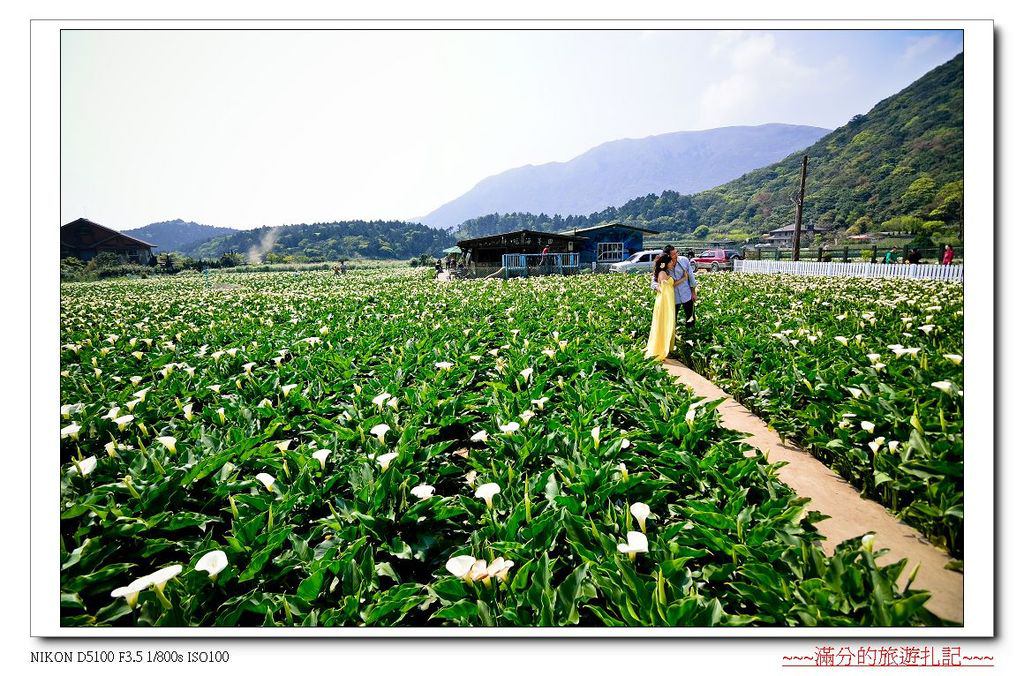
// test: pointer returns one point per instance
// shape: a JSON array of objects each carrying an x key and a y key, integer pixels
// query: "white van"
[{"x": 641, "y": 261}]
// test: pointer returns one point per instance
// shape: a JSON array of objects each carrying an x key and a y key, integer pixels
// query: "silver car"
[{"x": 641, "y": 261}]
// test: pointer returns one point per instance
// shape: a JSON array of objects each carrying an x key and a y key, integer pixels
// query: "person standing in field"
[
  {"x": 663, "y": 322},
  {"x": 685, "y": 284},
  {"x": 947, "y": 255}
]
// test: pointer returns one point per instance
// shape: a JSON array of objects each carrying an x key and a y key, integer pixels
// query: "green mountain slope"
[
  {"x": 330, "y": 241},
  {"x": 902, "y": 160}
]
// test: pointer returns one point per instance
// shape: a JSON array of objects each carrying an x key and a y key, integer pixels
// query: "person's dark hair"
[
  {"x": 668, "y": 249},
  {"x": 689, "y": 253},
  {"x": 661, "y": 263}
]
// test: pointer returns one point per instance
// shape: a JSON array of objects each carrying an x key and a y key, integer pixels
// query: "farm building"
[
  {"x": 84, "y": 239},
  {"x": 488, "y": 250},
  {"x": 610, "y": 242},
  {"x": 784, "y": 236}
]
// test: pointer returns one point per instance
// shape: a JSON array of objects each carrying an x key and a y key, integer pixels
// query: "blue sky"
[{"x": 250, "y": 128}]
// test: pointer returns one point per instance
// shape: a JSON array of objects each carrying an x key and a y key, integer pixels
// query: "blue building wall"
[{"x": 632, "y": 241}]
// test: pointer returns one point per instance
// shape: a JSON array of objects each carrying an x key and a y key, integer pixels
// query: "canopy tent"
[{"x": 452, "y": 250}]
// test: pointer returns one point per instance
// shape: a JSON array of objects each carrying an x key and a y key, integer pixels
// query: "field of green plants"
[
  {"x": 382, "y": 450},
  {"x": 867, "y": 374}
]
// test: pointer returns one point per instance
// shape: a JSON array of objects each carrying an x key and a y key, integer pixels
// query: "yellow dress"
[{"x": 663, "y": 324}]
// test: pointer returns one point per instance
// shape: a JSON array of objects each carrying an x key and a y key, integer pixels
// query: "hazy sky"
[{"x": 250, "y": 128}]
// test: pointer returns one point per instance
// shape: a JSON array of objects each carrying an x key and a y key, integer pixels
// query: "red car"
[{"x": 715, "y": 259}]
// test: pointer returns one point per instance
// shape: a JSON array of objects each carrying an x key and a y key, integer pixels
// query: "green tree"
[{"x": 701, "y": 231}]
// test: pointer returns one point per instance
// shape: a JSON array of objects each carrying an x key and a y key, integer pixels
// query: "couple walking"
[{"x": 676, "y": 288}]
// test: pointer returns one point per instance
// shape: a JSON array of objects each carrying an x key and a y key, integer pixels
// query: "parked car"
[
  {"x": 641, "y": 261},
  {"x": 715, "y": 259}
]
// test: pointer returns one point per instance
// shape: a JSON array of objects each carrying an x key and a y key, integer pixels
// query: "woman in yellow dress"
[{"x": 663, "y": 324}]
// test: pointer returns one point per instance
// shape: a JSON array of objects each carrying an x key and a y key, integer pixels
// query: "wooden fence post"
[
  {"x": 874, "y": 253},
  {"x": 846, "y": 254},
  {"x": 819, "y": 254}
]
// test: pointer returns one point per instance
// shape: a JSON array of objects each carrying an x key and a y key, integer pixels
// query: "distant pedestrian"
[
  {"x": 947, "y": 255},
  {"x": 890, "y": 255},
  {"x": 914, "y": 257}
]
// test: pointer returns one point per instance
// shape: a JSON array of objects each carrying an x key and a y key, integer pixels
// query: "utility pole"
[{"x": 799, "y": 211}]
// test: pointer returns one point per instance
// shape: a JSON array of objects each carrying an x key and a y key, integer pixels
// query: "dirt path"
[{"x": 851, "y": 515}]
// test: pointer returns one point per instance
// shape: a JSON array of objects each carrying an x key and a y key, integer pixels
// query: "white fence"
[{"x": 947, "y": 273}]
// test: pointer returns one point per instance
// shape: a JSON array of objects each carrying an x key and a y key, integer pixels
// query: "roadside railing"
[{"x": 948, "y": 273}]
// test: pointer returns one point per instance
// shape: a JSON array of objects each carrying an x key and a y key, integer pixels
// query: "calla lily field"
[{"x": 378, "y": 449}]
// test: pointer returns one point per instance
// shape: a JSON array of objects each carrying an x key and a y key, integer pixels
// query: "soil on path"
[{"x": 851, "y": 515}]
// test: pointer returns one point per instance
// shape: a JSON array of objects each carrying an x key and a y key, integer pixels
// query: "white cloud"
[
  {"x": 765, "y": 82},
  {"x": 918, "y": 47}
]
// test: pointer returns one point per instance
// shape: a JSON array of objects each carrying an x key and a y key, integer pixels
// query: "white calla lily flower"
[
  {"x": 71, "y": 430},
  {"x": 640, "y": 512},
  {"x": 267, "y": 480},
  {"x": 487, "y": 492},
  {"x": 636, "y": 543},
  {"x": 385, "y": 460},
  {"x": 87, "y": 465},
  {"x": 423, "y": 491},
  {"x": 461, "y": 566},
  {"x": 212, "y": 563},
  {"x": 380, "y": 430},
  {"x": 479, "y": 436},
  {"x": 321, "y": 457},
  {"x": 170, "y": 443},
  {"x": 867, "y": 426},
  {"x": 509, "y": 428},
  {"x": 381, "y": 398}
]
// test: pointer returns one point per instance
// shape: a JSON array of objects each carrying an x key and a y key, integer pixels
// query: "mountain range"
[
  {"x": 177, "y": 235},
  {"x": 900, "y": 163},
  {"x": 614, "y": 172}
]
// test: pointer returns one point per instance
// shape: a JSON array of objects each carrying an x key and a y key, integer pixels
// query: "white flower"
[
  {"x": 385, "y": 459},
  {"x": 954, "y": 358},
  {"x": 927, "y": 328},
  {"x": 247, "y": 368},
  {"x": 626, "y": 443},
  {"x": 111, "y": 414},
  {"x": 499, "y": 568},
  {"x": 70, "y": 431},
  {"x": 867, "y": 426},
  {"x": 487, "y": 492},
  {"x": 893, "y": 445},
  {"x": 526, "y": 373},
  {"x": 470, "y": 477},
  {"x": 640, "y": 512},
  {"x": 539, "y": 403},
  {"x": 381, "y": 398},
  {"x": 874, "y": 357},
  {"x": 623, "y": 472},
  {"x": 461, "y": 566},
  {"x": 526, "y": 416},
  {"x": 161, "y": 577},
  {"x": 843, "y": 339},
  {"x": 867, "y": 542},
  {"x": 266, "y": 480},
  {"x": 479, "y": 436},
  {"x": 220, "y": 414},
  {"x": 548, "y": 352},
  {"x": 393, "y": 403},
  {"x": 283, "y": 445},
  {"x": 130, "y": 593},
  {"x": 636, "y": 543},
  {"x": 878, "y": 366},
  {"x": 509, "y": 428},
  {"x": 856, "y": 392},
  {"x": 123, "y": 421},
  {"x": 876, "y": 444},
  {"x": 169, "y": 443},
  {"x": 265, "y": 403},
  {"x": 141, "y": 394},
  {"x": 423, "y": 491},
  {"x": 595, "y": 434},
  {"x": 86, "y": 464},
  {"x": 443, "y": 365},
  {"x": 212, "y": 563},
  {"x": 215, "y": 388},
  {"x": 321, "y": 456},
  {"x": 943, "y": 385},
  {"x": 379, "y": 431},
  {"x": 67, "y": 410},
  {"x": 285, "y": 389},
  {"x": 187, "y": 410}
]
